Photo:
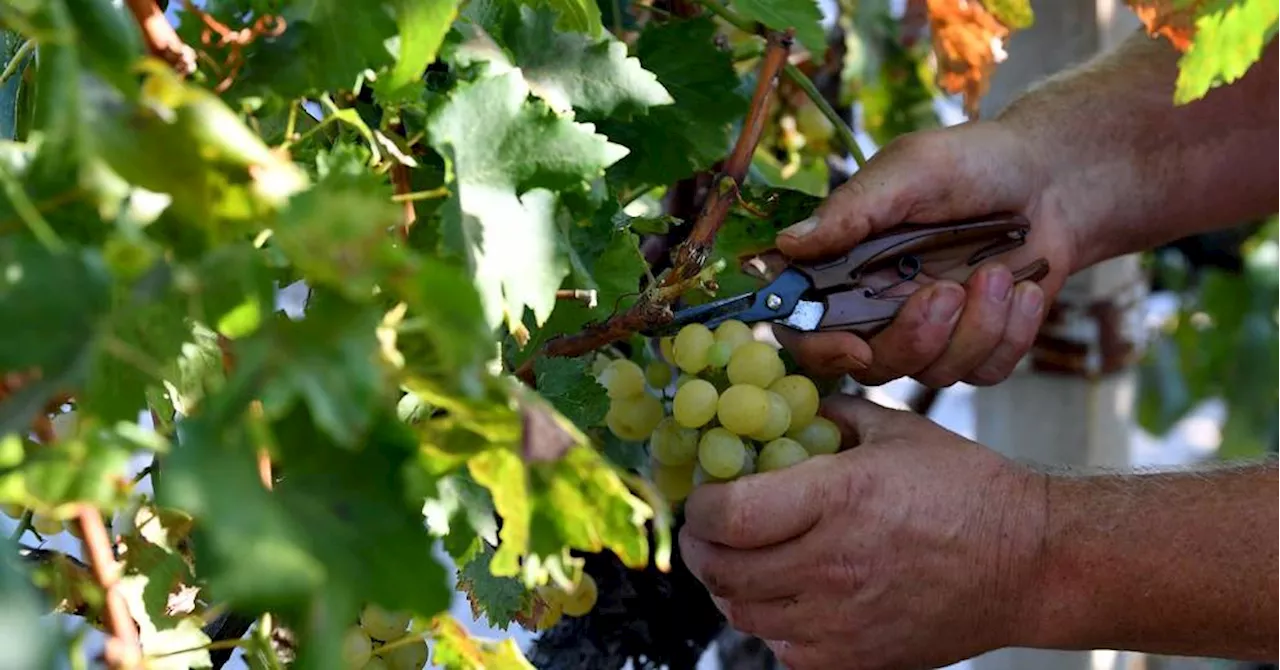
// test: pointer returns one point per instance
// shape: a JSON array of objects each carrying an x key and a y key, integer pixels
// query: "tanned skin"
[{"x": 920, "y": 548}]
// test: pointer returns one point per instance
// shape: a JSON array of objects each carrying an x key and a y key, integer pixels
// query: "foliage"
[{"x": 437, "y": 177}]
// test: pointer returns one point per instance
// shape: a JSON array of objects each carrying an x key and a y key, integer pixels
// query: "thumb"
[{"x": 861, "y": 420}]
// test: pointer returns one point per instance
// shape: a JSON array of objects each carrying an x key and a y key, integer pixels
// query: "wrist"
[{"x": 1019, "y": 548}]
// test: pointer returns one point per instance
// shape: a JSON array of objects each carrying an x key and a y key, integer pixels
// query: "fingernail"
[
  {"x": 945, "y": 303},
  {"x": 1030, "y": 300},
  {"x": 999, "y": 285},
  {"x": 802, "y": 228}
]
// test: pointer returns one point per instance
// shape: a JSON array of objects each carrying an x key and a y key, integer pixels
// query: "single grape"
[
  {"x": 582, "y": 598},
  {"x": 657, "y": 374},
  {"x": 755, "y": 363},
  {"x": 357, "y": 648},
  {"x": 691, "y": 346},
  {"x": 673, "y": 444},
  {"x": 695, "y": 403},
  {"x": 819, "y": 436},
  {"x": 734, "y": 333},
  {"x": 779, "y": 419},
  {"x": 73, "y": 526},
  {"x": 633, "y": 419},
  {"x": 46, "y": 526},
  {"x": 674, "y": 482},
  {"x": 801, "y": 396},
  {"x": 551, "y": 609},
  {"x": 743, "y": 409},
  {"x": 383, "y": 625},
  {"x": 376, "y": 663},
  {"x": 622, "y": 379},
  {"x": 718, "y": 355},
  {"x": 667, "y": 346},
  {"x": 409, "y": 656},
  {"x": 600, "y": 363},
  {"x": 781, "y": 453},
  {"x": 13, "y": 510},
  {"x": 721, "y": 453}
]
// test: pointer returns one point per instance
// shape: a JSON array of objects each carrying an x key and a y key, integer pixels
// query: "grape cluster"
[
  {"x": 558, "y": 601},
  {"x": 734, "y": 409},
  {"x": 381, "y": 641}
]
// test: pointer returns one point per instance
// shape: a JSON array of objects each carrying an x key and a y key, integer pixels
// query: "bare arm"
[
  {"x": 1159, "y": 172},
  {"x": 1171, "y": 563}
]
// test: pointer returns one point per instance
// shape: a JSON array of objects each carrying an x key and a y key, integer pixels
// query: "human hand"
[
  {"x": 946, "y": 332},
  {"x": 916, "y": 548}
]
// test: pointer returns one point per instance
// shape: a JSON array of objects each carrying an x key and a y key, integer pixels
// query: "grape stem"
[
  {"x": 654, "y": 306},
  {"x": 123, "y": 648}
]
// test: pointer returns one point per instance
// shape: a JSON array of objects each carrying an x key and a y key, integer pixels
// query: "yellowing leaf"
[
  {"x": 969, "y": 43},
  {"x": 456, "y": 649}
]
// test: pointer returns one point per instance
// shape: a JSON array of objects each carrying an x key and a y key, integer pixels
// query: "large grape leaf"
[
  {"x": 422, "y": 27},
  {"x": 674, "y": 141},
  {"x": 500, "y": 599},
  {"x": 569, "y": 385},
  {"x": 509, "y": 156},
  {"x": 1229, "y": 38},
  {"x": 570, "y": 71},
  {"x": 805, "y": 16},
  {"x": 579, "y": 15}
]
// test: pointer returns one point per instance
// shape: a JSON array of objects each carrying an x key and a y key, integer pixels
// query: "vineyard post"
[{"x": 1065, "y": 408}]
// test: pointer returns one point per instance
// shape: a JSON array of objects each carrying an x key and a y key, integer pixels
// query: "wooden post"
[{"x": 1070, "y": 402}]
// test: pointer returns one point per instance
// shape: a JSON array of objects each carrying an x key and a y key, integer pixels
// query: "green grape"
[
  {"x": 46, "y": 525},
  {"x": 695, "y": 403},
  {"x": 779, "y": 419},
  {"x": 718, "y": 355},
  {"x": 734, "y": 333},
  {"x": 357, "y": 648},
  {"x": 73, "y": 526},
  {"x": 657, "y": 374},
  {"x": 755, "y": 363},
  {"x": 781, "y": 453},
  {"x": 684, "y": 379},
  {"x": 667, "y": 346},
  {"x": 801, "y": 396},
  {"x": 582, "y": 598},
  {"x": 819, "y": 436},
  {"x": 633, "y": 419},
  {"x": 721, "y": 453},
  {"x": 13, "y": 510},
  {"x": 673, "y": 444},
  {"x": 743, "y": 409},
  {"x": 383, "y": 625},
  {"x": 674, "y": 482},
  {"x": 376, "y": 663},
  {"x": 622, "y": 379},
  {"x": 410, "y": 656},
  {"x": 691, "y": 346},
  {"x": 548, "y": 615}
]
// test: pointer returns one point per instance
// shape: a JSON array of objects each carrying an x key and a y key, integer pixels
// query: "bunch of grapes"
[
  {"x": 382, "y": 640},
  {"x": 555, "y": 601},
  {"x": 733, "y": 411}
]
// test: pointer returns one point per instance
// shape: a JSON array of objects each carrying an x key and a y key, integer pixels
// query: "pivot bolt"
[{"x": 773, "y": 301}]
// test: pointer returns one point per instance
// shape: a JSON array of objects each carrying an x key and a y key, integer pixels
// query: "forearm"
[
  {"x": 1128, "y": 170},
  {"x": 1171, "y": 563}
]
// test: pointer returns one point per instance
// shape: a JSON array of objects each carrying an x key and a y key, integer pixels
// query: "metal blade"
[
  {"x": 710, "y": 314},
  {"x": 806, "y": 316}
]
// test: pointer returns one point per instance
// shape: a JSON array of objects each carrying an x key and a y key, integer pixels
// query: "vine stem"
[
  {"x": 123, "y": 648},
  {"x": 653, "y": 307}
]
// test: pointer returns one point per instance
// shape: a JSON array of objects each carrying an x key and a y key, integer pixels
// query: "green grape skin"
[
  {"x": 657, "y": 374},
  {"x": 691, "y": 347},
  {"x": 674, "y": 482},
  {"x": 582, "y": 598},
  {"x": 357, "y": 648},
  {"x": 734, "y": 333},
  {"x": 46, "y": 525},
  {"x": 695, "y": 403},
  {"x": 756, "y": 364},
  {"x": 672, "y": 444},
  {"x": 819, "y": 436},
  {"x": 409, "y": 656},
  {"x": 779, "y": 419},
  {"x": 383, "y": 625},
  {"x": 743, "y": 409},
  {"x": 667, "y": 345},
  {"x": 718, "y": 355},
  {"x": 633, "y": 419},
  {"x": 622, "y": 379},
  {"x": 721, "y": 453},
  {"x": 13, "y": 511},
  {"x": 781, "y": 453},
  {"x": 376, "y": 663},
  {"x": 801, "y": 395}
]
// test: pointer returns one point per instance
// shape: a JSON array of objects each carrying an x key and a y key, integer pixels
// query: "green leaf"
[
  {"x": 460, "y": 512},
  {"x": 506, "y": 152},
  {"x": 327, "y": 45},
  {"x": 579, "y": 15},
  {"x": 745, "y": 232},
  {"x": 25, "y": 638},
  {"x": 162, "y": 636},
  {"x": 570, "y": 71},
  {"x": 1015, "y": 14},
  {"x": 455, "y": 649},
  {"x": 110, "y": 39},
  {"x": 89, "y": 467},
  {"x": 674, "y": 141},
  {"x": 570, "y": 386},
  {"x": 422, "y": 26},
  {"x": 1229, "y": 38},
  {"x": 500, "y": 598},
  {"x": 803, "y": 15}
]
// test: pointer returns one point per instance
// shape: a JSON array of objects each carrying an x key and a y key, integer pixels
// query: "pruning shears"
[{"x": 862, "y": 290}]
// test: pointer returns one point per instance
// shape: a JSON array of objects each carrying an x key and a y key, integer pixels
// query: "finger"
[
  {"x": 917, "y": 336},
  {"x": 988, "y": 296},
  {"x": 828, "y": 354},
  {"x": 794, "y": 656},
  {"x": 755, "y": 512},
  {"x": 861, "y": 420},
  {"x": 743, "y": 574},
  {"x": 1019, "y": 334}
]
